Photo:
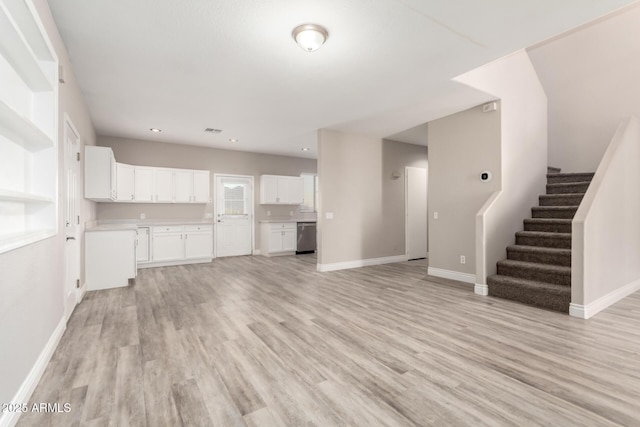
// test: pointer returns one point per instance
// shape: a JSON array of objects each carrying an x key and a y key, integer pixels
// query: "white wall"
[
  {"x": 605, "y": 258},
  {"x": 523, "y": 151},
  {"x": 355, "y": 184},
  {"x": 31, "y": 288},
  {"x": 591, "y": 80},
  {"x": 461, "y": 146}
]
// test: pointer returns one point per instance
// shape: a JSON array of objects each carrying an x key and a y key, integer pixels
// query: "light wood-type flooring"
[{"x": 271, "y": 342}]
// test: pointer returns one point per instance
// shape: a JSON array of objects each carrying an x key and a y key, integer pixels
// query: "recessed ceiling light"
[
  {"x": 233, "y": 140},
  {"x": 156, "y": 130},
  {"x": 310, "y": 36},
  {"x": 305, "y": 149}
]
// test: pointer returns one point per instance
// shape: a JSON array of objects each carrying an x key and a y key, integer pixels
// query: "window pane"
[
  {"x": 309, "y": 196},
  {"x": 234, "y": 200}
]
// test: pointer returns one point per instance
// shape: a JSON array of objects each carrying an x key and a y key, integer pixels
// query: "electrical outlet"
[
  {"x": 435, "y": 215},
  {"x": 208, "y": 215},
  {"x": 290, "y": 213},
  {"x": 142, "y": 216},
  {"x": 268, "y": 213},
  {"x": 463, "y": 259}
]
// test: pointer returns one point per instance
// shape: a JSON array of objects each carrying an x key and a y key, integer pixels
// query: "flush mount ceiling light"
[
  {"x": 233, "y": 140},
  {"x": 305, "y": 149},
  {"x": 156, "y": 130},
  {"x": 310, "y": 36}
]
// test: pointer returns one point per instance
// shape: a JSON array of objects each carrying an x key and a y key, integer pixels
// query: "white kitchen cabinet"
[
  {"x": 143, "y": 183},
  {"x": 277, "y": 238},
  {"x": 168, "y": 243},
  {"x": 198, "y": 241},
  {"x": 28, "y": 128},
  {"x": 183, "y": 186},
  {"x": 201, "y": 187},
  {"x": 142, "y": 245},
  {"x": 100, "y": 174},
  {"x": 110, "y": 258},
  {"x": 163, "y": 185},
  {"x": 125, "y": 182},
  {"x": 180, "y": 244},
  {"x": 281, "y": 190}
]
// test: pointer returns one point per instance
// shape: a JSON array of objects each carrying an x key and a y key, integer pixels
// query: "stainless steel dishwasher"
[{"x": 306, "y": 238}]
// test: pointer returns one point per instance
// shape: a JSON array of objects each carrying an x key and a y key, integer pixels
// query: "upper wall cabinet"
[
  {"x": 109, "y": 181},
  {"x": 28, "y": 127},
  {"x": 281, "y": 190}
]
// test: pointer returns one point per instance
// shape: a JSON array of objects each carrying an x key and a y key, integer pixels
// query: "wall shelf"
[
  {"x": 17, "y": 196},
  {"x": 17, "y": 51},
  {"x": 21, "y": 130},
  {"x": 28, "y": 128}
]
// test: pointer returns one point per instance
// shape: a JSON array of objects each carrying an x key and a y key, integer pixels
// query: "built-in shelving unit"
[{"x": 28, "y": 128}]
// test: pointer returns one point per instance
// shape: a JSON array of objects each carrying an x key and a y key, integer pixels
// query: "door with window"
[
  {"x": 71, "y": 216},
  {"x": 234, "y": 215}
]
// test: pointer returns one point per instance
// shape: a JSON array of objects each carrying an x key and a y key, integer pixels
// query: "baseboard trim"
[
  {"x": 591, "y": 309},
  {"x": 256, "y": 252},
  {"x": 360, "y": 263},
  {"x": 480, "y": 289},
  {"x": 174, "y": 263},
  {"x": 453, "y": 275},
  {"x": 10, "y": 419}
]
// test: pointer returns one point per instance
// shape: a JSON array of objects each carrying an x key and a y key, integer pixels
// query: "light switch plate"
[
  {"x": 328, "y": 215},
  {"x": 142, "y": 216}
]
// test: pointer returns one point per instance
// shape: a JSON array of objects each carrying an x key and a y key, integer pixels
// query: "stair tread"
[
  {"x": 555, "y": 208},
  {"x": 536, "y": 266},
  {"x": 530, "y": 284},
  {"x": 568, "y": 174},
  {"x": 560, "y": 196},
  {"x": 568, "y": 184},
  {"x": 549, "y": 220},
  {"x": 539, "y": 249},
  {"x": 543, "y": 234}
]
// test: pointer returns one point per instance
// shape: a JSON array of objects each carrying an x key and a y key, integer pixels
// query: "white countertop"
[
  {"x": 133, "y": 224},
  {"x": 268, "y": 221}
]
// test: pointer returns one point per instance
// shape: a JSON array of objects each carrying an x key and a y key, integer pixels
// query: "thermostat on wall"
[{"x": 485, "y": 176}]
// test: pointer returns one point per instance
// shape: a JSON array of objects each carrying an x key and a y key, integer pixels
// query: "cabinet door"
[
  {"x": 163, "y": 185},
  {"x": 275, "y": 241},
  {"x": 100, "y": 174},
  {"x": 125, "y": 178},
  {"x": 113, "y": 176},
  {"x": 168, "y": 247},
  {"x": 142, "y": 244},
  {"x": 295, "y": 191},
  {"x": 283, "y": 190},
  {"x": 143, "y": 184},
  {"x": 289, "y": 242},
  {"x": 268, "y": 189},
  {"x": 198, "y": 245},
  {"x": 201, "y": 183},
  {"x": 184, "y": 186}
]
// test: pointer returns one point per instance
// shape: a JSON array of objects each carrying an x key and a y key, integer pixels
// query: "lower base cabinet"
[
  {"x": 179, "y": 244},
  {"x": 278, "y": 238},
  {"x": 110, "y": 258}
]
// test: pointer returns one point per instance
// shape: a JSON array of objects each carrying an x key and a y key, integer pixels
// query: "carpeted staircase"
[{"x": 537, "y": 270}]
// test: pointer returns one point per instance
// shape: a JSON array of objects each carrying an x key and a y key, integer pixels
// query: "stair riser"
[
  {"x": 566, "y": 189},
  {"x": 548, "y": 228},
  {"x": 540, "y": 258},
  {"x": 554, "y": 213},
  {"x": 560, "y": 201},
  {"x": 556, "y": 302},
  {"x": 535, "y": 274},
  {"x": 570, "y": 178},
  {"x": 546, "y": 242}
]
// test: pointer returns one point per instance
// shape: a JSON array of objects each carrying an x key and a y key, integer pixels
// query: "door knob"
[{"x": 70, "y": 238}]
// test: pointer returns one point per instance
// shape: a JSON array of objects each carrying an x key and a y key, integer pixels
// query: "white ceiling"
[{"x": 183, "y": 66}]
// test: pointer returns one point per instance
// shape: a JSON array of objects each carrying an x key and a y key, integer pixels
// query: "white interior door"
[
  {"x": 234, "y": 215},
  {"x": 71, "y": 217},
  {"x": 416, "y": 211}
]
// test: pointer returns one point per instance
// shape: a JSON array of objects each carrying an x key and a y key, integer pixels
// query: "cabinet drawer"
[
  {"x": 168, "y": 229},
  {"x": 203, "y": 227},
  {"x": 283, "y": 226}
]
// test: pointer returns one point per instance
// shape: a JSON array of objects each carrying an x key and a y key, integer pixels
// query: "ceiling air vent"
[{"x": 212, "y": 130}]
